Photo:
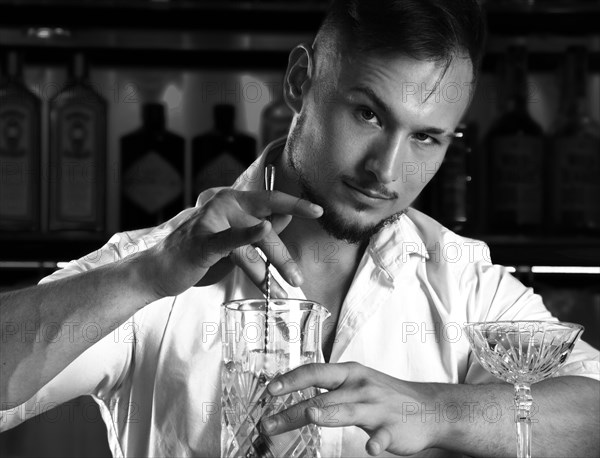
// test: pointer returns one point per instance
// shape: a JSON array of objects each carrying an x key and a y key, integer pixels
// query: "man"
[{"x": 369, "y": 127}]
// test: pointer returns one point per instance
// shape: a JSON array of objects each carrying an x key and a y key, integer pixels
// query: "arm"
[
  {"x": 407, "y": 417},
  {"x": 565, "y": 419},
  {"x": 108, "y": 295},
  {"x": 31, "y": 354}
]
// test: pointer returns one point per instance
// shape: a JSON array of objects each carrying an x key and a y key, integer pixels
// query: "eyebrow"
[{"x": 385, "y": 108}]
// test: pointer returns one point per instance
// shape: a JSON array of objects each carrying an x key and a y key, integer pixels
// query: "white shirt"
[{"x": 156, "y": 378}]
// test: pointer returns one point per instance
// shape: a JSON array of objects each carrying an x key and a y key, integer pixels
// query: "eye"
[
  {"x": 368, "y": 116},
  {"x": 425, "y": 139}
]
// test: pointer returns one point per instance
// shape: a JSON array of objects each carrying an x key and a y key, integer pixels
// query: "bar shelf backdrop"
[{"x": 190, "y": 56}]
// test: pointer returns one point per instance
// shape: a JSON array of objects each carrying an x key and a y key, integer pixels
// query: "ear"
[{"x": 298, "y": 76}]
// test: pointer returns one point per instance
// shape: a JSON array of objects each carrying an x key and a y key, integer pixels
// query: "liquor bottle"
[
  {"x": 574, "y": 171},
  {"x": 20, "y": 114},
  {"x": 515, "y": 156},
  {"x": 221, "y": 154},
  {"x": 152, "y": 171},
  {"x": 451, "y": 192},
  {"x": 275, "y": 121},
  {"x": 78, "y": 153}
]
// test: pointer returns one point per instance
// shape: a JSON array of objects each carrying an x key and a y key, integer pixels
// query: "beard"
[{"x": 332, "y": 221}]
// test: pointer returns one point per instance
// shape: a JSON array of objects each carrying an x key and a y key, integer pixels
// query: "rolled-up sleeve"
[{"x": 106, "y": 364}]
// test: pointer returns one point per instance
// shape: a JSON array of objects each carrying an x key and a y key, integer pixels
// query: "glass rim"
[
  {"x": 279, "y": 304},
  {"x": 566, "y": 324}
]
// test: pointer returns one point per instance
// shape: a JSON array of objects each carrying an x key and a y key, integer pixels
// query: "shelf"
[
  {"x": 207, "y": 34},
  {"x": 568, "y": 19},
  {"x": 231, "y": 34},
  {"x": 161, "y": 58},
  {"x": 281, "y": 16},
  {"x": 49, "y": 248},
  {"x": 505, "y": 250},
  {"x": 208, "y": 15},
  {"x": 542, "y": 251},
  {"x": 228, "y": 58}
]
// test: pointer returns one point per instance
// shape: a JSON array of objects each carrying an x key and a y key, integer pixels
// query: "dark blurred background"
[{"x": 116, "y": 114}]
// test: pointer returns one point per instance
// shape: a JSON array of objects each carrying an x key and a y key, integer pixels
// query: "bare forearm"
[
  {"x": 45, "y": 327},
  {"x": 479, "y": 420}
]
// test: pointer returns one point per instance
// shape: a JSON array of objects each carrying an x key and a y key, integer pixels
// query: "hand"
[
  {"x": 357, "y": 396},
  {"x": 208, "y": 242}
]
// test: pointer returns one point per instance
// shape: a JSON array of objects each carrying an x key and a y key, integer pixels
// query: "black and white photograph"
[{"x": 299, "y": 228}]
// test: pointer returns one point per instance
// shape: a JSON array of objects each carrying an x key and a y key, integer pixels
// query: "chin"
[{"x": 348, "y": 224}]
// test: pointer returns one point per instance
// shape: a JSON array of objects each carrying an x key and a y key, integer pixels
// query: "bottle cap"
[
  {"x": 79, "y": 67},
  {"x": 517, "y": 71}
]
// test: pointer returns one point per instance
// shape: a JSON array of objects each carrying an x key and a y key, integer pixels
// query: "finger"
[
  {"x": 265, "y": 203},
  {"x": 222, "y": 243},
  {"x": 277, "y": 253},
  {"x": 343, "y": 414},
  {"x": 321, "y": 413},
  {"x": 274, "y": 251},
  {"x": 280, "y": 222},
  {"x": 295, "y": 417},
  {"x": 379, "y": 442},
  {"x": 250, "y": 261},
  {"x": 321, "y": 375}
]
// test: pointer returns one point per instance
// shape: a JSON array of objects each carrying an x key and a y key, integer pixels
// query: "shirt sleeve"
[
  {"x": 119, "y": 246},
  {"x": 97, "y": 372},
  {"x": 494, "y": 294},
  {"x": 106, "y": 365}
]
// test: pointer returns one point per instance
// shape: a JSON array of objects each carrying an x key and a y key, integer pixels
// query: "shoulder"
[
  {"x": 119, "y": 246},
  {"x": 446, "y": 247}
]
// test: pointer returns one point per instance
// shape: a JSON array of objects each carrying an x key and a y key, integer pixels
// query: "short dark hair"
[{"x": 435, "y": 30}]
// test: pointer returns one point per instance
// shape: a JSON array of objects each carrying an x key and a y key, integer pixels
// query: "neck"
[
  {"x": 318, "y": 253},
  {"x": 325, "y": 261}
]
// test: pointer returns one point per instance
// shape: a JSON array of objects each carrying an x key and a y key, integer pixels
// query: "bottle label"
[
  {"x": 152, "y": 183},
  {"x": 16, "y": 167},
  {"x": 223, "y": 170},
  {"x": 77, "y": 163},
  {"x": 576, "y": 181},
  {"x": 516, "y": 174}
]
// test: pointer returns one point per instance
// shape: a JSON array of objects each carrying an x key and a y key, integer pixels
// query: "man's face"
[{"x": 370, "y": 135}]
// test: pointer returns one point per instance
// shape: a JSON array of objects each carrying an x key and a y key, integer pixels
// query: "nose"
[{"x": 384, "y": 159}]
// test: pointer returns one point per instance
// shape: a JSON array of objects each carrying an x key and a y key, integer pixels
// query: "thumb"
[{"x": 379, "y": 442}]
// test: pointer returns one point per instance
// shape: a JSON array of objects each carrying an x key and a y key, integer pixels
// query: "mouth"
[{"x": 369, "y": 192}]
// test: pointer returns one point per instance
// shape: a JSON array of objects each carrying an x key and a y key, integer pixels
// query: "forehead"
[{"x": 418, "y": 84}]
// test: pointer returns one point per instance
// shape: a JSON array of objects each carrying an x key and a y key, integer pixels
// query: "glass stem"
[{"x": 523, "y": 402}]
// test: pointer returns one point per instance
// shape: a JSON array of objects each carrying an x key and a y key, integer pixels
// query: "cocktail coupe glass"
[
  {"x": 522, "y": 353},
  {"x": 259, "y": 343}
]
